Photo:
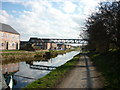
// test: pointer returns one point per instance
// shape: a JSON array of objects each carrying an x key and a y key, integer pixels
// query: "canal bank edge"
[
  {"x": 26, "y": 56},
  {"x": 52, "y": 79}
]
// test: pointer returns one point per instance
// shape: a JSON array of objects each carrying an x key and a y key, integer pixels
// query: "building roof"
[
  {"x": 35, "y": 39},
  {"x": 7, "y": 28}
]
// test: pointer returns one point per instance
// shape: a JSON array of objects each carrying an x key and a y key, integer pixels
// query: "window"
[
  {"x": 40, "y": 43},
  {"x": 13, "y": 36},
  {"x": 2, "y": 44},
  {"x": 7, "y": 35},
  {"x": 2, "y": 34},
  {"x": 32, "y": 40}
]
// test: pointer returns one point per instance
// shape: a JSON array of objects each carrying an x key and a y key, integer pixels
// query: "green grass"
[
  {"x": 7, "y": 55},
  {"x": 109, "y": 65},
  {"x": 12, "y": 50},
  {"x": 55, "y": 76}
]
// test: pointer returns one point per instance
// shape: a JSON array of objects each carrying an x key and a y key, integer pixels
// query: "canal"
[{"x": 24, "y": 74}]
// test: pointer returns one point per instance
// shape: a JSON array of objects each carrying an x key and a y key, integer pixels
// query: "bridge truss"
[{"x": 70, "y": 41}]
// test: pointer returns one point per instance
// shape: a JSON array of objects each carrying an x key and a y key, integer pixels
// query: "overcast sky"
[{"x": 47, "y": 18}]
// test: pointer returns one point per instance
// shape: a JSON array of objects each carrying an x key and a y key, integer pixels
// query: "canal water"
[{"x": 24, "y": 74}]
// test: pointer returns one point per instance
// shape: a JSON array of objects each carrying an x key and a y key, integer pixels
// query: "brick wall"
[{"x": 9, "y": 41}]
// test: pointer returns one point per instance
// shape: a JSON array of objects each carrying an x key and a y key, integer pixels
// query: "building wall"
[
  {"x": 9, "y": 41},
  {"x": 51, "y": 46},
  {"x": 48, "y": 46},
  {"x": 54, "y": 46}
]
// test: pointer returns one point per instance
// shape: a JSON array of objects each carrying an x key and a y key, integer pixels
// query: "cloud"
[
  {"x": 45, "y": 20},
  {"x": 4, "y": 16},
  {"x": 69, "y": 7}
]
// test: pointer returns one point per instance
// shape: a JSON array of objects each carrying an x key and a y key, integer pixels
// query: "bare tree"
[{"x": 103, "y": 27}]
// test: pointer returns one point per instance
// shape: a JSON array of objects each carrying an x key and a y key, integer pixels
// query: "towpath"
[{"x": 84, "y": 75}]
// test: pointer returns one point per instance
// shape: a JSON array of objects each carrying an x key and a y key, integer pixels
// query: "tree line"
[{"x": 103, "y": 27}]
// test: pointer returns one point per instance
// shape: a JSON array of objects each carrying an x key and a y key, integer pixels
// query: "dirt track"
[{"x": 84, "y": 75}]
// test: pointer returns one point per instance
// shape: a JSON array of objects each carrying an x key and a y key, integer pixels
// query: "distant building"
[
  {"x": 39, "y": 43},
  {"x": 42, "y": 44},
  {"x": 61, "y": 46},
  {"x": 24, "y": 45},
  {"x": 53, "y": 46},
  {"x": 68, "y": 46},
  {"x": 9, "y": 38}
]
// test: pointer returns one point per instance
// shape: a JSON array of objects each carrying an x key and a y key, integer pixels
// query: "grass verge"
[
  {"x": 55, "y": 76},
  {"x": 109, "y": 65}
]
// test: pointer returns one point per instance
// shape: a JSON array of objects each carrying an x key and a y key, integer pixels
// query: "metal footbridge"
[{"x": 55, "y": 40}]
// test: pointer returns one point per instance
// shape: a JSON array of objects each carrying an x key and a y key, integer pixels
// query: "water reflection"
[
  {"x": 8, "y": 68},
  {"x": 27, "y": 75},
  {"x": 31, "y": 62},
  {"x": 8, "y": 71},
  {"x": 29, "y": 71},
  {"x": 41, "y": 66}
]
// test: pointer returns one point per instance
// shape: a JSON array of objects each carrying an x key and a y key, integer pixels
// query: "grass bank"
[
  {"x": 55, "y": 53},
  {"x": 109, "y": 65},
  {"x": 55, "y": 76},
  {"x": 25, "y": 56}
]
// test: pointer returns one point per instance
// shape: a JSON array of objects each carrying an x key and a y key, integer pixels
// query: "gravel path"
[{"x": 84, "y": 75}]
